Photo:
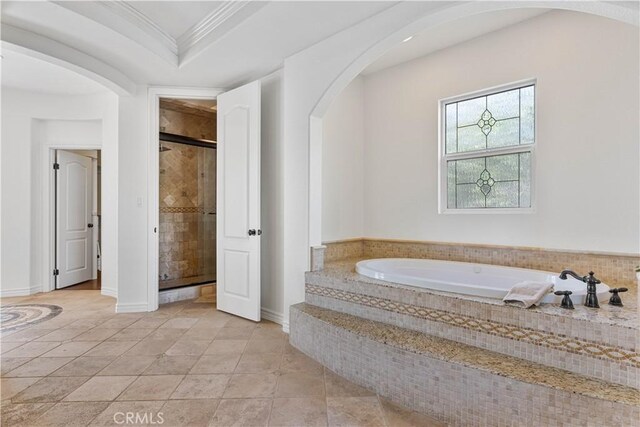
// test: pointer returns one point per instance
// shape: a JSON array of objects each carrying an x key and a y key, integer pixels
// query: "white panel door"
[
  {"x": 238, "y": 202},
  {"x": 74, "y": 237}
]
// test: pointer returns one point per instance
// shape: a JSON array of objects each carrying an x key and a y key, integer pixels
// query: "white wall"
[
  {"x": 587, "y": 175},
  {"x": 343, "y": 165},
  {"x": 32, "y": 123},
  {"x": 272, "y": 254}
]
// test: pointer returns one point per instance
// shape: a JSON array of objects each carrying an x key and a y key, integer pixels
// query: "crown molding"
[
  {"x": 214, "y": 26},
  {"x": 124, "y": 19},
  {"x": 142, "y": 21}
]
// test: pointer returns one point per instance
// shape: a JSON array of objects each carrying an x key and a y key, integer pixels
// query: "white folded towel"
[{"x": 528, "y": 293}]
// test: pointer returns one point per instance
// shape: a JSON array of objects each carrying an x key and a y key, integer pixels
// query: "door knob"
[{"x": 90, "y": 225}]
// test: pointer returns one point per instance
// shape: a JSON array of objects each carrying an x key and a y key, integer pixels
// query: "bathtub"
[{"x": 482, "y": 280}]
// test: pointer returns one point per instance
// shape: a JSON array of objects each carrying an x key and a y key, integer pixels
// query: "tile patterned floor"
[{"x": 186, "y": 363}]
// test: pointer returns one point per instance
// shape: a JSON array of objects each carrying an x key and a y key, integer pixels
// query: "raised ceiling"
[
  {"x": 207, "y": 44},
  {"x": 440, "y": 37}
]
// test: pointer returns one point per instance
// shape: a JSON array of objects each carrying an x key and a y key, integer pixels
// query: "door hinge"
[
  {"x": 56, "y": 272},
  {"x": 56, "y": 166}
]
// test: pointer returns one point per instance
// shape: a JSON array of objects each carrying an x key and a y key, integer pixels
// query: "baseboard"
[
  {"x": 271, "y": 315},
  {"x": 20, "y": 292},
  {"x": 131, "y": 308},
  {"x": 109, "y": 292}
]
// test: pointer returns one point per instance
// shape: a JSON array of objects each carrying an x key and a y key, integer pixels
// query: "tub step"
[{"x": 456, "y": 383}]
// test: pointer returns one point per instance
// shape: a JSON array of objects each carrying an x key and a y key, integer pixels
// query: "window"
[{"x": 487, "y": 146}]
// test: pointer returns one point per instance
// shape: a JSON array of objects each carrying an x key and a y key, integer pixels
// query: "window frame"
[{"x": 443, "y": 157}]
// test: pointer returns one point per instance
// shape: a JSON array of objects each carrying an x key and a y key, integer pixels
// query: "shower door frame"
[{"x": 153, "y": 182}]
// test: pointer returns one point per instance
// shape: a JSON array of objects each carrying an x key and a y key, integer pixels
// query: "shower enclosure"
[{"x": 187, "y": 211}]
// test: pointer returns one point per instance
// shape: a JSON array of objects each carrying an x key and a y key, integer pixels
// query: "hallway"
[{"x": 187, "y": 363}]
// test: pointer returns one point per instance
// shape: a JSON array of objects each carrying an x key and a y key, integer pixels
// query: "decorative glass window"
[{"x": 487, "y": 146}]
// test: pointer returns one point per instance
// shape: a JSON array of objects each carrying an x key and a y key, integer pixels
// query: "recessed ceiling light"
[{"x": 407, "y": 39}]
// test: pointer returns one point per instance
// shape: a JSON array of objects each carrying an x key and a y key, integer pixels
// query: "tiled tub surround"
[
  {"x": 458, "y": 384},
  {"x": 613, "y": 269},
  {"x": 600, "y": 343}
]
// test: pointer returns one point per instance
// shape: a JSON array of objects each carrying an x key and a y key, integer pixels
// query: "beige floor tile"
[
  {"x": 226, "y": 347},
  {"x": 201, "y": 387},
  {"x": 49, "y": 389},
  {"x": 24, "y": 335},
  {"x": 239, "y": 322},
  {"x": 71, "y": 414},
  {"x": 8, "y": 364},
  {"x": 191, "y": 413},
  {"x": 337, "y": 386},
  {"x": 118, "y": 322},
  {"x": 275, "y": 345},
  {"x": 9, "y": 387},
  {"x": 355, "y": 411},
  {"x": 299, "y": 412},
  {"x": 263, "y": 332},
  {"x": 251, "y": 385},
  {"x": 216, "y": 364},
  {"x": 96, "y": 334},
  {"x": 210, "y": 323},
  {"x": 83, "y": 366},
  {"x": 128, "y": 365},
  {"x": 148, "y": 323},
  {"x": 110, "y": 348},
  {"x": 40, "y": 367},
  {"x": 259, "y": 362},
  {"x": 131, "y": 334},
  {"x": 71, "y": 349},
  {"x": 168, "y": 365},
  {"x": 22, "y": 415},
  {"x": 227, "y": 333},
  {"x": 152, "y": 387},
  {"x": 299, "y": 362},
  {"x": 8, "y": 346},
  {"x": 116, "y": 414},
  {"x": 32, "y": 349},
  {"x": 242, "y": 412},
  {"x": 179, "y": 323},
  {"x": 188, "y": 347},
  {"x": 100, "y": 389},
  {"x": 63, "y": 334},
  {"x": 149, "y": 347},
  {"x": 166, "y": 334},
  {"x": 300, "y": 384},
  {"x": 398, "y": 416}
]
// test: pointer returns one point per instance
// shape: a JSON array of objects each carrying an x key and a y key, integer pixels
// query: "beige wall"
[{"x": 586, "y": 175}]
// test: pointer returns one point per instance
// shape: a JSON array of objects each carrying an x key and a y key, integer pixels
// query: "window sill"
[{"x": 488, "y": 211}]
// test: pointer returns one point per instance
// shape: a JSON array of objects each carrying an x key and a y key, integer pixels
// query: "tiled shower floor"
[{"x": 195, "y": 365}]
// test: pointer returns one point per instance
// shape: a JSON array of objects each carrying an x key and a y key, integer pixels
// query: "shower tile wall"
[{"x": 187, "y": 198}]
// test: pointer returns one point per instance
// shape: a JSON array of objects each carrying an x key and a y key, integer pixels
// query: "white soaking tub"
[{"x": 482, "y": 280}]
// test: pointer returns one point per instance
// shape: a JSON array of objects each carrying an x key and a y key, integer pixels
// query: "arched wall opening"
[
  {"x": 49, "y": 106},
  {"x": 313, "y": 79},
  {"x": 381, "y": 135}
]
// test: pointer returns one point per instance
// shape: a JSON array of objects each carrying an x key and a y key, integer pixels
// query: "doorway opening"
[
  {"x": 77, "y": 219},
  {"x": 187, "y": 194}
]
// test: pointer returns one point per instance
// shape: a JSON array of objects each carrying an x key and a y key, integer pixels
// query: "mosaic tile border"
[
  {"x": 178, "y": 209},
  {"x": 532, "y": 336},
  {"x": 613, "y": 269},
  {"x": 18, "y": 316}
]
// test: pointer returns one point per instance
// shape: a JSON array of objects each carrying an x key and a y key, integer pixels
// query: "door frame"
[
  {"x": 153, "y": 181},
  {"x": 49, "y": 204}
]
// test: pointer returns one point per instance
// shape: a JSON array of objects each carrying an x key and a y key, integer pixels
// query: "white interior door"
[
  {"x": 238, "y": 202},
  {"x": 74, "y": 237}
]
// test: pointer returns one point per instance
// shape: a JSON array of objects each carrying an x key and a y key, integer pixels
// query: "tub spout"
[{"x": 591, "y": 281}]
